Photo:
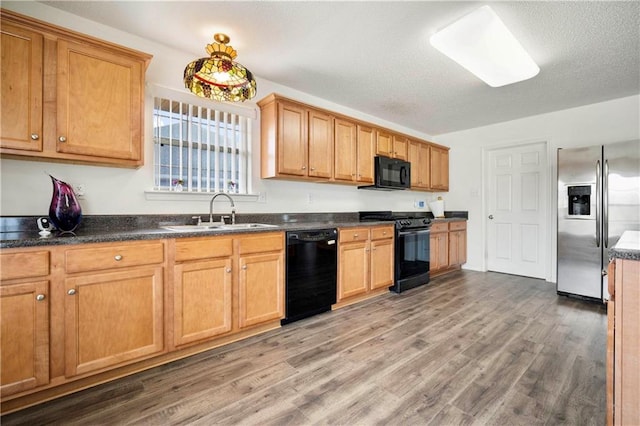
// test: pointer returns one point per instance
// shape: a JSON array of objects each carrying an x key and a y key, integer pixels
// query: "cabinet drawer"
[
  {"x": 24, "y": 264},
  {"x": 354, "y": 234},
  {"x": 261, "y": 243},
  {"x": 382, "y": 233},
  {"x": 439, "y": 227},
  {"x": 113, "y": 256},
  {"x": 457, "y": 226},
  {"x": 203, "y": 248}
]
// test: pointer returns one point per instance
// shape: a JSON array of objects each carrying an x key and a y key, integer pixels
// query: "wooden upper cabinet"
[
  {"x": 292, "y": 139},
  {"x": 384, "y": 143},
  {"x": 346, "y": 151},
  {"x": 21, "y": 101},
  {"x": 301, "y": 142},
  {"x": 400, "y": 147},
  {"x": 418, "y": 156},
  {"x": 439, "y": 168},
  {"x": 321, "y": 144},
  {"x": 366, "y": 139},
  {"x": 99, "y": 102},
  {"x": 82, "y": 100}
]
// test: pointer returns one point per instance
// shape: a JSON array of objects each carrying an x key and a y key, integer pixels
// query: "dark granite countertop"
[
  {"x": 627, "y": 247},
  {"x": 101, "y": 234},
  {"x": 16, "y": 232}
]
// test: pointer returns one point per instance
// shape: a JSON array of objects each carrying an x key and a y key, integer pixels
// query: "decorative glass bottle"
[{"x": 65, "y": 211}]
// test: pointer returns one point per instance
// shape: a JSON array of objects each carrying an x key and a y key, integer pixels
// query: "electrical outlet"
[
  {"x": 80, "y": 190},
  {"x": 420, "y": 204},
  {"x": 309, "y": 198},
  {"x": 262, "y": 197}
]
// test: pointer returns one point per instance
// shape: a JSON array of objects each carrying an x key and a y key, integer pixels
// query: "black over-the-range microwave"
[{"x": 390, "y": 174}]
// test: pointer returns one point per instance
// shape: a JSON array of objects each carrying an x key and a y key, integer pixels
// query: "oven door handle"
[{"x": 420, "y": 232}]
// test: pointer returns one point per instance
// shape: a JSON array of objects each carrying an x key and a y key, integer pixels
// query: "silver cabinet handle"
[
  {"x": 35, "y": 136},
  {"x": 62, "y": 139},
  {"x": 605, "y": 204},
  {"x": 40, "y": 297},
  {"x": 598, "y": 191},
  {"x": 118, "y": 257},
  {"x": 490, "y": 216},
  {"x": 71, "y": 291}
]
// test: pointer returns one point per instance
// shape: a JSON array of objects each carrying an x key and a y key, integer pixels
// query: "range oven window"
[{"x": 412, "y": 253}]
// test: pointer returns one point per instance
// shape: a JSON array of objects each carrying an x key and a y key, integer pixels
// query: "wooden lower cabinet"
[
  {"x": 365, "y": 262},
  {"x": 260, "y": 288},
  {"x": 438, "y": 248},
  {"x": 74, "y": 316},
  {"x": 202, "y": 300},
  {"x": 24, "y": 319},
  {"x": 623, "y": 343},
  {"x": 448, "y": 246},
  {"x": 113, "y": 318},
  {"x": 24, "y": 344}
]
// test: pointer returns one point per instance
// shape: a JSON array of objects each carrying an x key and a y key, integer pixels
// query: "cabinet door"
[
  {"x": 439, "y": 251},
  {"x": 382, "y": 257},
  {"x": 292, "y": 139},
  {"x": 366, "y": 141},
  {"x": 320, "y": 144},
  {"x": 346, "y": 151},
  {"x": 454, "y": 243},
  {"x": 112, "y": 318},
  {"x": 99, "y": 102},
  {"x": 202, "y": 300},
  {"x": 21, "y": 100},
  {"x": 418, "y": 156},
  {"x": 439, "y": 168},
  {"x": 353, "y": 275},
  {"x": 384, "y": 144},
  {"x": 400, "y": 145},
  {"x": 24, "y": 315},
  {"x": 261, "y": 288}
]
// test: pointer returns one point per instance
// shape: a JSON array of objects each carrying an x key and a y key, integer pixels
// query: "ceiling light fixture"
[
  {"x": 482, "y": 44},
  {"x": 219, "y": 77}
]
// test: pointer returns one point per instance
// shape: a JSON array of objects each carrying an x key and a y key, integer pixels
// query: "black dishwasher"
[{"x": 312, "y": 259}]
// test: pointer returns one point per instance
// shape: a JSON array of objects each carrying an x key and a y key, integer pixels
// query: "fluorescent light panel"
[{"x": 482, "y": 44}]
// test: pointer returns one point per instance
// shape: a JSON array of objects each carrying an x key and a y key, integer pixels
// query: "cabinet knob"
[
  {"x": 71, "y": 291},
  {"x": 355, "y": 235},
  {"x": 304, "y": 167},
  {"x": 490, "y": 216},
  {"x": 244, "y": 266},
  {"x": 229, "y": 270},
  {"x": 62, "y": 139},
  {"x": 35, "y": 136},
  {"x": 40, "y": 297},
  {"x": 118, "y": 257},
  {"x": 313, "y": 168}
]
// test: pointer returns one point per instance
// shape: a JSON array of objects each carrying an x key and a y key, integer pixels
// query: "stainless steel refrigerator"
[{"x": 598, "y": 199}]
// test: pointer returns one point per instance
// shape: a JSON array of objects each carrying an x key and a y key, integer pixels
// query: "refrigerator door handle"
[
  {"x": 605, "y": 205},
  {"x": 598, "y": 203}
]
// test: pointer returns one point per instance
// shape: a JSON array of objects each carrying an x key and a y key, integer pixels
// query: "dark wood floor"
[{"x": 469, "y": 348}]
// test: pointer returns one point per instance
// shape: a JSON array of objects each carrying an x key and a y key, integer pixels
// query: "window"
[{"x": 200, "y": 149}]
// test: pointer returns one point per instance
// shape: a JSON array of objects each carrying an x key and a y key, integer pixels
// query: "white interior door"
[{"x": 517, "y": 223}]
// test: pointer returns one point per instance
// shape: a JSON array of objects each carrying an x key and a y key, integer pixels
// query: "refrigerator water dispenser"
[{"x": 579, "y": 200}]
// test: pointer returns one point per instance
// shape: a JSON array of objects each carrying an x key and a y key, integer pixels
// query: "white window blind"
[{"x": 200, "y": 149}]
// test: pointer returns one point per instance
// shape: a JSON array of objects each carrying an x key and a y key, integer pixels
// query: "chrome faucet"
[{"x": 233, "y": 208}]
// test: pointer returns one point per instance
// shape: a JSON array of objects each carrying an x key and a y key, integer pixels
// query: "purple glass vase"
[{"x": 65, "y": 211}]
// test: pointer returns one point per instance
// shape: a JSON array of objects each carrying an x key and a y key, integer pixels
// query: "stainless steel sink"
[
  {"x": 247, "y": 226},
  {"x": 216, "y": 227},
  {"x": 191, "y": 228}
]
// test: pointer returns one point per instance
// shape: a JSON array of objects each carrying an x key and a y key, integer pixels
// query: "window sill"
[{"x": 199, "y": 196}]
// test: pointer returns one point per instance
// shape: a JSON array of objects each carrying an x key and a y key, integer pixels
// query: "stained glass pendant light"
[{"x": 219, "y": 77}]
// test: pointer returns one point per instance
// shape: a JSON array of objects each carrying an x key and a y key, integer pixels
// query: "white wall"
[
  {"x": 26, "y": 188},
  {"x": 596, "y": 124}
]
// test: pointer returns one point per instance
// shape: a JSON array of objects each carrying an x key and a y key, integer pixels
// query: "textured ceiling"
[{"x": 375, "y": 57}]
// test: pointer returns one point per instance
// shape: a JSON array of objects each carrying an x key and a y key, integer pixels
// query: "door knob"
[{"x": 490, "y": 216}]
